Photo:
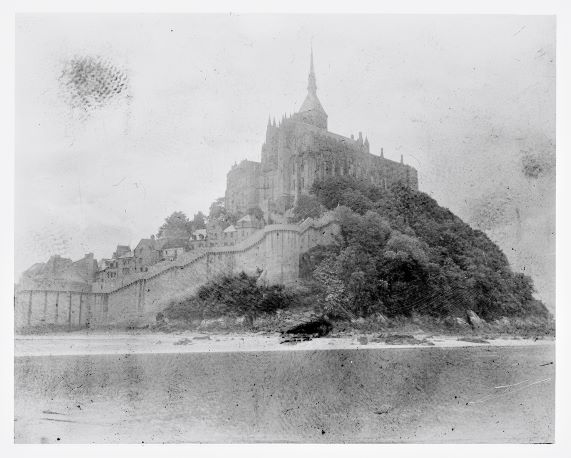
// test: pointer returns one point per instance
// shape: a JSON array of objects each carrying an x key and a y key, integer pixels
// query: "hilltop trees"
[
  {"x": 218, "y": 212},
  {"x": 178, "y": 225},
  {"x": 401, "y": 253},
  {"x": 198, "y": 221}
]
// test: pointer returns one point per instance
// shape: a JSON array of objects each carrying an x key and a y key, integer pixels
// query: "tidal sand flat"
[{"x": 433, "y": 394}]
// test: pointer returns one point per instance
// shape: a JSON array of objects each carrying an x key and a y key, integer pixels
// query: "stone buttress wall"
[{"x": 70, "y": 309}]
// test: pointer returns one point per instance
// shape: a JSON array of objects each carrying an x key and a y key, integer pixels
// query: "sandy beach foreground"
[
  {"x": 250, "y": 388},
  {"x": 192, "y": 342}
]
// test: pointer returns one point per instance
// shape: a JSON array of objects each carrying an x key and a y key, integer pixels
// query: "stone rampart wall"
[{"x": 274, "y": 250}]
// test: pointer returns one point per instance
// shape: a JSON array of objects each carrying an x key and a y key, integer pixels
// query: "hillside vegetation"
[{"x": 401, "y": 253}]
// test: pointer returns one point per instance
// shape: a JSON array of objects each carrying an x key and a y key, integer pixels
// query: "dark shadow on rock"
[{"x": 308, "y": 330}]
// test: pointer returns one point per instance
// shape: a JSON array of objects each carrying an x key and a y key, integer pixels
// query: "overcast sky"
[{"x": 468, "y": 100}]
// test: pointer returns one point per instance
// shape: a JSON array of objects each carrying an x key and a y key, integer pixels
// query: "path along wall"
[{"x": 275, "y": 251}]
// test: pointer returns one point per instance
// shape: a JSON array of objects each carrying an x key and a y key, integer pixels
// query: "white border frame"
[{"x": 561, "y": 8}]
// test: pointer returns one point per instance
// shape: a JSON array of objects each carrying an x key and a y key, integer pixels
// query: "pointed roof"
[
  {"x": 130, "y": 254},
  {"x": 245, "y": 219},
  {"x": 199, "y": 232},
  {"x": 150, "y": 243},
  {"x": 311, "y": 102}
]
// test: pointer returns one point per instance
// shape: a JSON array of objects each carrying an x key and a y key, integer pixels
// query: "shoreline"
[{"x": 193, "y": 342}]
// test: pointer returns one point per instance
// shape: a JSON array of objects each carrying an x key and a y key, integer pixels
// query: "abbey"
[{"x": 298, "y": 151}]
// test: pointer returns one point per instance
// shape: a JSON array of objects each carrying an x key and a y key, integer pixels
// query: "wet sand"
[
  {"x": 472, "y": 393},
  {"x": 193, "y": 342}
]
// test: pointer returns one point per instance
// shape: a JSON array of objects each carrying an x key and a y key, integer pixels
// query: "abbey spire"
[
  {"x": 311, "y": 111},
  {"x": 311, "y": 83}
]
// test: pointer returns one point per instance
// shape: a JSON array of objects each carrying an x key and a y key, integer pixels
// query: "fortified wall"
[{"x": 274, "y": 250}]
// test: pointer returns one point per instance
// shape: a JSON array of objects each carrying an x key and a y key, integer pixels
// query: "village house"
[
  {"x": 198, "y": 239},
  {"x": 171, "y": 248},
  {"x": 60, "y": 273},
  {"x": 118, "y": 266},
  {"x": 146, "y": 254}
]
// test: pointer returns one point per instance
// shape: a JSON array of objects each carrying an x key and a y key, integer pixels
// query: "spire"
[
  {"x": 311, "y": 83},
  {"x": 311, "y": 110}
]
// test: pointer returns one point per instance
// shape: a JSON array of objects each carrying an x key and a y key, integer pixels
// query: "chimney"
[{"x": 382, "y": 154}]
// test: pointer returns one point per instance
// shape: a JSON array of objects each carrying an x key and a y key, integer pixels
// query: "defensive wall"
[{"x": 274, "y": 250}]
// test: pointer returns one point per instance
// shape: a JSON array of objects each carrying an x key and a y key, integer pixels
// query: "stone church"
[{"x": 298, "y": 151}]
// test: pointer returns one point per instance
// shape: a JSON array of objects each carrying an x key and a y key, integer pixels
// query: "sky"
[{"x": 467, "y": 100}]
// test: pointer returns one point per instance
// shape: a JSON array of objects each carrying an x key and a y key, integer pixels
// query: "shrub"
[
  {"x": 307, "y": 207},
  {"x": 231, "y": 295}
]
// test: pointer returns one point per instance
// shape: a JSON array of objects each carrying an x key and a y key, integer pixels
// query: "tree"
[
  {"x": 400, "y": 252},
  {"x": 335, "y": 300},
  {"x": 199, "y": 221},
  {"x": 231, "y": 295},
  {"x": 307, "y": 207},
  {"x": 218, "y": 212},
  {"x": 175, "y": 225},
  {"x": 256, "y": 212},
  {"x": 217, "y": 208}
]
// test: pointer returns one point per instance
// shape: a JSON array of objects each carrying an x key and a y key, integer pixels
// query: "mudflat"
[{"x": 465, "y": 393}]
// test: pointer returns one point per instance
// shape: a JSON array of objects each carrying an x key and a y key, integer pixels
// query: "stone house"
[
  {"x": 170, "y": 249},
  {"x": 198, "y": 239},
  {"x": 146, "y": 254},
  {"x": 61, "y": 274}
]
